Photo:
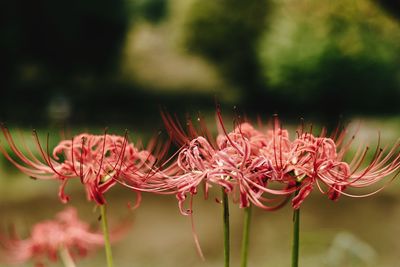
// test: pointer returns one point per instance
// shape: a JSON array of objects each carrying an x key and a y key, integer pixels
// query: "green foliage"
[
  {"x": 345, "y": 52},
  {"x": 51, "y": 46},
  {"x": 151, "y": 10},
  {"x": 226, "y": 33},
  {"x": 63, "y": 38}
]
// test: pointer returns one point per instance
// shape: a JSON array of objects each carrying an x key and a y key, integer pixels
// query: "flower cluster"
[
  {"x": 98, "y": 160},
  {"x": 64, "y": 233},
  {"x": 264, "y": 167},
  {"x": 259, "y": 166}
]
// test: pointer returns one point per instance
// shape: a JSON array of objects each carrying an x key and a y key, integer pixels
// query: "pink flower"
[
  {"x": 240, "y": 157},
  {"x": 196, "y": 164},
  {"x": 232, "y": 161},
  {"x": 48, "y": 238},
  {"x": 318, "y": 161},
  {"x": 151, "y": 172},
  {"x": 247, "y": 161},
  {"x": 96, "y": 159}
]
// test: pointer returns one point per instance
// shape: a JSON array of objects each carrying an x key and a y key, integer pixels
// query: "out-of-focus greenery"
[
  {"x": 392, "y": 6},
  {"x": 151, "y": 10},
  {"x": 226, "y": 32},
  {"x": 118, "y": 61},
  {"x": 63, "y": 39},
  {"x": 344, "y": 51},
  {"x": 65, "y": 53}
]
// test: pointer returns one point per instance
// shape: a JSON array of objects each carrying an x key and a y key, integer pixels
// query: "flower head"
[
  {"x": 48, "y": 238},
  {"x": 311, "y": 161},
  {"x": 96, "y": 159},
  {"x": 246, "y": 161},
  {"x": 233, "y": 160}
]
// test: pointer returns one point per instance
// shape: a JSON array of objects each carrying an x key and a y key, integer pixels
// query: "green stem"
[
  {"x": 245, "y": 238},
  {"x": 296, "y": 236},
  {"x": 225, "y": 214},
  {"x": 66, "y": 258},
  {"x": 107, "y": 243}
]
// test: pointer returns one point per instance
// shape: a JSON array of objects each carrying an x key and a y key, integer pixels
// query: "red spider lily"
[
  {"x": 232, "y": 161},
  {"x": 47, "y": 238},
  {"x": 151, "y": 173},
  {"x": 310, "y": 160},
  {"x": 241, "y": 158},
  {"x": 197, "y": 164},
  {"x": 96, "y": 159},
  {"x": 320, "y": 160},
  {"x": 248, "y": 160}
]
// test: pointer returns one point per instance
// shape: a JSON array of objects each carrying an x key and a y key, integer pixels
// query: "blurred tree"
[
  {"x": 66, "y": 52},
  {"x": 151, "y": 10},
  {"x": 392, "y": 6},
  {"x": 341, "y": 52},
  {"x": 226, "y": 32},
  {"x": 67, "y": 37},
  {"x": 49, "y": 46}
]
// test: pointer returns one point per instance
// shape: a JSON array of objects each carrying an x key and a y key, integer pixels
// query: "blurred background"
[{"x": 84, "y": 65}]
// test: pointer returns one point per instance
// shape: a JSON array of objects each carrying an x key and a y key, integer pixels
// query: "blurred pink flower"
[{"x": 48, "y": 238}]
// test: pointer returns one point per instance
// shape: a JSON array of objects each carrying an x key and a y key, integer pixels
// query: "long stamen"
[
  {"x": 194, "y": 232},
  {"x": 73, "y": 158},
  {"x": 102, "y": 156},
  {"x": 221, "y": 123},
  {"x": 83, "y": 140},
  {"x": 49, "y": 158}
]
